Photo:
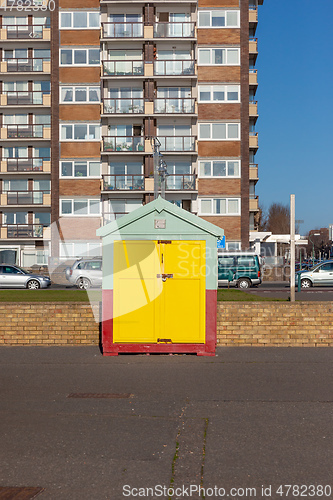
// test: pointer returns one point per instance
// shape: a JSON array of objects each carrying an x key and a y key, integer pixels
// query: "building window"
[
  {"x": 72, "y": 249},
  {"x": 219, "y": 93},
  {"x": 14, "y": 218},
  {"x": 80, "y": 95},
  {"x": 219, "y": 19},
  {"x": 79, "y": 20},
  {"x": 219, "y": 131},
  {"x": 219, "y": 206},
  {"x": 80, "y": 168},
  {"x": 79, "y": 132},
  {"x": 79, "y": 57},
  {"x": 80, "y": 207},
  {"x": 233, "y": 246},
  {"x": 219, "y": 57},
  {"x": 219, "y": 168}
]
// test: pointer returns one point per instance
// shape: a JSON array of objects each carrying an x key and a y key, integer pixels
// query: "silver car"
[
  {"x": 15, "y": 277},
  {"x": 319, "y": 275},
  {"x": 85, "y": 273}
]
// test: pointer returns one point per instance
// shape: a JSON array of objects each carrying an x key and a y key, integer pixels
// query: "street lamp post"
[{"x": 314, "y": 234}]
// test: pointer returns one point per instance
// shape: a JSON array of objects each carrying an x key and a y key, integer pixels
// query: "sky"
[{"x": 295, "y": 106}]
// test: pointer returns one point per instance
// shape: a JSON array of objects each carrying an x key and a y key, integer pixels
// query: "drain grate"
[
  {"x": 10, "y": 493},
  {"x": 108, "y": 395}
]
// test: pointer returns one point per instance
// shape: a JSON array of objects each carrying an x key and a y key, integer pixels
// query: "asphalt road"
[
  {"x": 281, "y": 290},
  {"x": 247, "y": 418}
]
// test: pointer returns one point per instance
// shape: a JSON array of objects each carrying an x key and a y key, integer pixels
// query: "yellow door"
[{"x": 159, "y": 292}]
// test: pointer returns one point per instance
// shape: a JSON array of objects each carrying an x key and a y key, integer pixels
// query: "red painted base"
[{"x": 112, "y": 349}]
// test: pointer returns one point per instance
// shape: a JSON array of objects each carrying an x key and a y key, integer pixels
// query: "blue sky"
[{"x": 295, "y": 103}]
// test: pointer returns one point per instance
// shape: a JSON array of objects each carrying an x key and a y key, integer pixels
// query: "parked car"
[
  {"x": 85, "y": 273},
  {"x": 319, "y": 275},
  {"x": 241, "y": 269},
  {"x": 16, "y": 277}
]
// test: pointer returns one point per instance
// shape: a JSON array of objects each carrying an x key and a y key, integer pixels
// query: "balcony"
[
  {"x": 253, "y": 109},
  {"x": 254, "y": 203},
  {"x": 253, "y": 172},
  {"x": 22, "y": 98},
  {"x": 24, "y": 231},
  {"x": 253, "y": 140},
  {"x": 123, "y": 144},
  {"x": 28, "y": 65},
  {"x": 123, "y": 68},
  {"x": 179, "y": 105},
  {"x": 25, "y": 165},
  {"x": 26, "y": 198},
  {"x": 253, "y": 46},
  {"x": 123, "y": 106},
  {"x": 175, "y": 182},
  {"x": 26, "y": 32},
  {"x": 122, "y": 30},
  {"x": 184, "y": 67},
  {"x": 253, "y": 14},
  {"x": 174, "y": 30},
  {"x": 25, "y": 132},
  {"x": 181, "y": 144},
  {"x": 123, "y": 182}
]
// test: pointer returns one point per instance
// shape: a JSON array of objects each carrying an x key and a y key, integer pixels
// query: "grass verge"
[
  {"x": 44, "y": 296},
  {"x": 240, "y": 296}
]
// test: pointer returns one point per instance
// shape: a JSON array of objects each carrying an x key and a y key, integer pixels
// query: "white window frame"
[
  {"x": 211, "y": 161},
  {"x": 72, "y": 27},
  {"x": 91, "y": 249},
  {"x": 83, "y": 160},
  {"x": 4, "y": 213},
  {"x": 75, "y": 214},
  {"x": 227, "y": 200},
  {"x": 214, "y": 88},
  {"x": 96, "y": 124},
  {"x": 211, "y": 125},
  {"x": 226, "y": 49},
  {"x": 230, "y": 245},
  {"x": 226, "y": 11},
  {"x": 73, "y": 49},
  {"x": 76, "y": 87}
]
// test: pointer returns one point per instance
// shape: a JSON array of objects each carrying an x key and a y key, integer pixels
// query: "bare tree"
[
  {"x": 260, "y": 218},
  {"x": 278, "y": 219}
]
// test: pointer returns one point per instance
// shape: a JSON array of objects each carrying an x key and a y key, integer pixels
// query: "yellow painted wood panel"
[{"x": 148, "y": 308}]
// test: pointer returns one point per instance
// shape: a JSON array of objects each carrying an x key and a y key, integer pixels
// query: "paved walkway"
[{"x": 248, "y": 418}]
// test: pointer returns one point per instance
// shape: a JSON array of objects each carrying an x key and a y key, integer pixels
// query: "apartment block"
[{"x": 85, "y": 89}]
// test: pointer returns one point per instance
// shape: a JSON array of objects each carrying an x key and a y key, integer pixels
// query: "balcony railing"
[
  {"x": 25, "y": 98},
  {"x": 25, "y": 32},
  {"x": 26, "y": 165},
  {"x": 26, "y": 132},
  {"x": 123, "y": 182},
  {"x": 123, "y": 143},
  {"x": 26, "y": 198},
  {"x": 25, "y": 231},
  {"x": 23, "y": 65},
  {"x": 253, "y": 77},
  {"x": 122, "y": 30},
  {"x": 123, "y": 68},
  {"x": 174, "y": 30},
  {"x": 182, "y": 182},
  {"x": 123, "y": 105},
  {"x": 174, "y": 68},
  {"x": 179, "y": 105},
  {"x": 253, "y": 171},
  {"x": 177, "y": 143}
]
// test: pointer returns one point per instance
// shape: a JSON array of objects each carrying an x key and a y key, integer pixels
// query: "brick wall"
[
  {"x": 238, "y": 324},
  {"x": 48, "y": 324},
  {"x": 275, "y": 324}
]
